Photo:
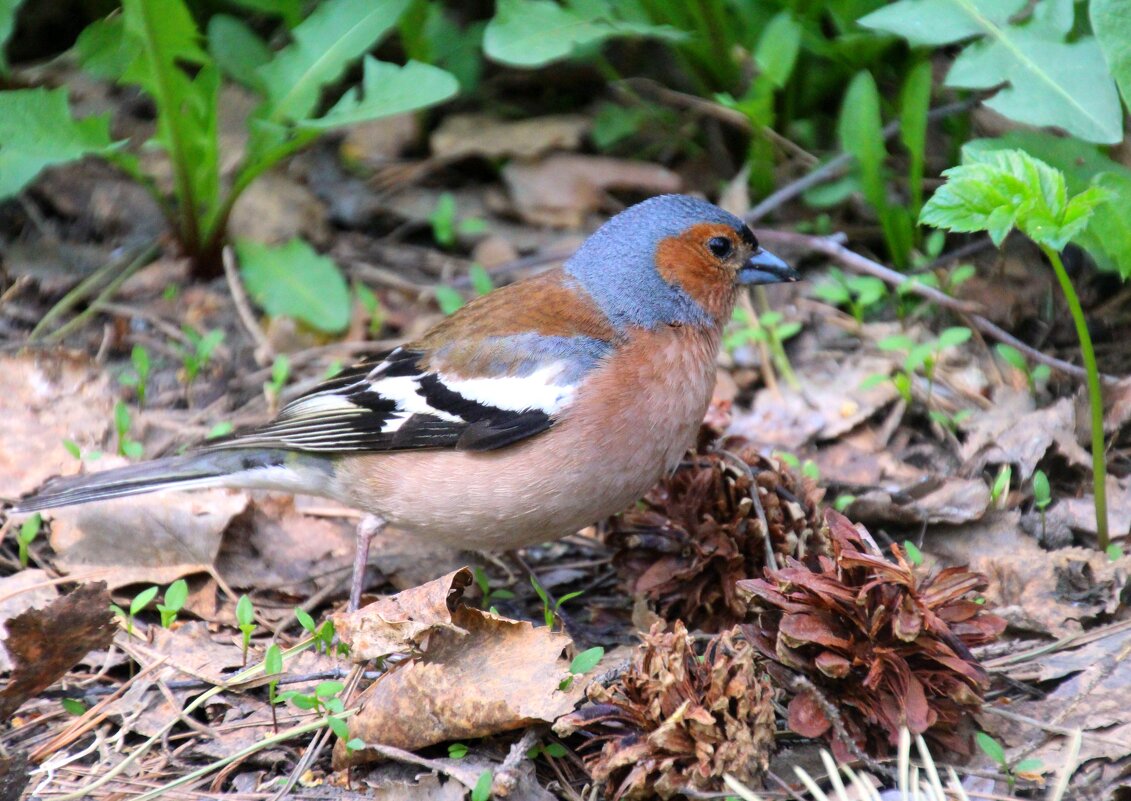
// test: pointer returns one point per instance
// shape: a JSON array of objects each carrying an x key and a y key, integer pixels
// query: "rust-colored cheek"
[{"x": 683, "y": 260}]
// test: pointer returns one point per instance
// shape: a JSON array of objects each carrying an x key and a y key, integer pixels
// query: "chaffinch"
[{"x": 526, "y": 415}]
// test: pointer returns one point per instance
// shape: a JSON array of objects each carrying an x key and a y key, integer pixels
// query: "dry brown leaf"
[
  {"x": 1011, "y": 432},
  {"x": 563, "y": 189},
  {"x": 936, "y": 500},
  {"x": 463, "y": 135},
  {"x": 1053, "y": 593},
  {"x": 275, "y": 209},
  {"x": 403, "y": 622},
  {"x": 377, "y": 142},
  {"x": 14, "y": 776},
  {"x": 19, "y": 592},
  {"x": 501, "y": 675},
  {"x": 46, "y": 398},
  {"x": 45, "y": 643},
  {"x": 1079, "y": 514},
  {"x": 151, "y": 538}
]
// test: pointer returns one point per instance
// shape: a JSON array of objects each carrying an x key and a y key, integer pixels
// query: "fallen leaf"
[
  {"x": 464, "y": 135},
  {"x": 501, "y": 675},
  {"x": 151, "y": 538},
  {"x": 403, "y": 622},
  {"x": 942, "y": 500},
  {"x": 19, "y": 592},
  {"x": 1011, "y": 432},
  {"x": 44, "y": 644},
  {"x": 14, "y": 776},
  {"x": 46, "y": 398},
  {"x": 563, "y": 189}
]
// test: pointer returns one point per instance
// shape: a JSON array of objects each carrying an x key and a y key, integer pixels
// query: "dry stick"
[
  {"x": 264, "y": 353},
  {"x": 862, "y": 264},
  {"x": 840, "y": 164}
]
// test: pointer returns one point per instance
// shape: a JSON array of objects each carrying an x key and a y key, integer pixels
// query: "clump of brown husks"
[
  {"x": 708, "y": 526},
  {"x": 676, "y": 721},
  {"x": 867, "y": 642}
]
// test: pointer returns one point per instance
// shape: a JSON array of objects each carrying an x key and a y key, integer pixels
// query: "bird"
[{"x": 529, "y": 413}]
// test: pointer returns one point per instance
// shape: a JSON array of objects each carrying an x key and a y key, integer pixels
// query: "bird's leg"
[{"x": 369, "y": 527}]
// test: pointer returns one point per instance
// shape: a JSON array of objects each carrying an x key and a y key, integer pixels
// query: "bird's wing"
[{"x": 477, "y": 395}]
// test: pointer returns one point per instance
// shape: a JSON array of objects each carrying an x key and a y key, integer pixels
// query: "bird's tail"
[{"x": 238, "y": 468}]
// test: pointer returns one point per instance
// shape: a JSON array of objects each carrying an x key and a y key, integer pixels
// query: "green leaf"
[
  {"x": 221, "y": 429},
  {"x": 448, "y": 299},
  {"x": 480, "y": 279},
  {"x": 388, "y": 89},
  {"x": 457, "y": 750},
  {"x": 167, "y": 41},
  {"x": 990, "y": 747},
  {"x": 176, "y": 595},
  {"x": 1112, "y": 26},
  {"x": 328, "y": 689},
  {"x": 273, "y": 660},
  {"x": 73, "y": 706},
  {"x": 245, "y": 611},
  {"x": 289, "y": 10},
  {"x": 339, "y": 727},
  {"x": 914, "y": 555},
  {"x": 914, "y": 103},
  {"x": 954, "y": 336},
  {"x": 533, "y": 33},
  {"x": 1011, "y": 356},
  {"x": 860, "y": 130},
  {"x": 295, "y": 281},
  {"x": 104, "y": 50},
  {"x": 37, "y": 131},
  {"x": 8, "y": 9},
  {"x": 586, "y": 660},
  {"x": 356, "y": 744},
  {"x": 482, "y": 789},
  {"x": 335, "y": 35},
  {"x": 304, "y": 619},
  {"x": 142, "y": 600},
  {"x": 778, "y": 46},
  {"x": 29, "y": 529},
  {"x": 237, "y": 50},
  {"x": 1042, "y": 492},
  {"x": 555, "y": 750},
  {"x": 1044, "y": 80},
  {"x": 1031, "y": 765}
]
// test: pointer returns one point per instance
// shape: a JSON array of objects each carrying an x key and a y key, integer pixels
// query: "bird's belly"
[{"x": 631, "y": 422}]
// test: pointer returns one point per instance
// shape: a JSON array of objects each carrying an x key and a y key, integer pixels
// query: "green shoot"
[
  {"x": 857, "y": 293},
  {"x": 140, "y": 601},
  {"x": 175, "y": 596},
  {"x": 280, "y": 372},
  {"x": 481, "y": 280},
  {"x": 29, "y": 530},
  {"x": 582, "y": 664},
  {"x": 1114, "y": 552},
  {"x": 245, "y": 617},
  {"x": 482, "y": 789},
  {"x": 195, "y": 358},
  {"x": 999, "y": 492},
  {"x": 138, "y": 378},
  {"x": 273, "y": 666},
  {"x": 1034, "y": 376},
  {"x": 323, "y": 635},
  {"x": 550, "y": 610},
  {"x": 553, "y": 750},
  {"x": 126, "y": 446},
  {"x": 221, "y": 429},
  {"x": 490, "y": 595},
  {"x": 73, "y": 706},
  {"x": 996, "y": 191},
  {"x": 914, "y": 555},
  {"x": 457, "y": 750},
  {"x": 843, "y": 501},
  {"x": 769, "y": 328},
  {"x": 994, "y": 750},
  {"x": 446, "y": 229},
  {"x": 448, "y": 299}
]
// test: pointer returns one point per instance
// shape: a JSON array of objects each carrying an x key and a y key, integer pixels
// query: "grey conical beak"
[{"x": 766, "y": 268}]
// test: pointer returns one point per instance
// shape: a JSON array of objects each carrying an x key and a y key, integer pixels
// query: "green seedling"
[
  {"x": 551, "y": 750},
  {"x": 73, "y": 706},
  {"x": 139, "y": 602},
  {"x": 446, "y": 228},
  {"x": 175, "y": 596},
  {"x": 196, "y": 357},
  {"x": 480, "y": 279},
  {"x": 994, "y": 750},
  {"x": 857, "y": 293},
  {"x": 326, "y": 701},
  {"x": 221, "y": 429},
  {"x": 843, "y": 501},
  {"x": 273, "y": 666},
  {"x": 949, "y": 422},
  {"x": 138, "y": 377},
  {"x": 922, "y": 358},
  {"x": 29, "y": 530},
  {"x": 457, "y": 750},
  {"x": 126, "y": 447},
  {"x": 1042, "y": 495},
  {"x": 999, "y": 492},
  {"x": 280, "y": 372},
  {"x": 73, "y": 448},
  {"x": 372, "y": 306},
  {"x": 323, "y": 635},
  {"x": 245, "y": 617},
  {"x": 550, "y": 609},
  {"x": 1114, "y": 551},
  {"x": 482, "y": 789},
  {"x": 490, "y": 595},
  {"x": 1034, "y": 376},
  {"x": 770, "y": 328},
  {"x": 582, "y": 664},
  {"x": 999, "y": 190},
  {"x": 807, "y": 468},
  {"x": 914, "y": 555},
  {"x": 449, "y": 300}
]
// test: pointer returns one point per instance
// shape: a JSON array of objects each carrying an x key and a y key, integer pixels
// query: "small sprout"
[
  {"x": 1000, "y": 490},
  {"x": 582, "y": 664},
  {"x": 480, "y": 279},
  {"x": 73, "y": 448},
  {"x": 445, "y": 227},
  {"x": 245, "y": 617},
  {"x": 482, "y": 789},
  {"x": 448, "y": 299},
  {"x": 195, "y": 358},
  {"x": 991, "y": 748},
  {"x": 29, "y": 530},
  {"x": 355, "y": 744},
  {"x": 457, "y": 750},
  {"x": 490, "y": 595},
  {"x": 843, "y": 501},
  {"x": 280, "y": 372},
  {"x": 994, "y": 750},
  {"x": 1042, "y": 493},
  {"x": 139, "y": 602},
  {"x": 914, "y": 555},
  {"x": 550, "y": 611},
  {"x": 221, "y": 429},
  {"x": 305, "y": 620},
  {"x": 1114, "y": 551},
  {"x": 372, "y": 305},
  {"x": 554, "y": 750},
  {"x": 175, "y": 596},
  {"x": 809, "y": 469},
  {"x": 1015, "y": 359},
  {"x": 138, "y": 378},
  {"x": 788, "y": 459},
  {"x": 73, "y": 706},
  {"x": 126, "y": 446},
  {"x": 273, "y": 666},
  {"x": 859, "y": 293}
]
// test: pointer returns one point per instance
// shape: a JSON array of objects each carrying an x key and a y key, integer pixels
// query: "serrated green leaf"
[
  {"x": 104, "y": 50},
  {"x": 1112, "y": 25},
  {"x": 388, "y": 89},
  {"x": 237, "y": 50},
  {"x": 295, "y": 281},
  {"x": 778, "y": 46},
  {"x": 335, "y": 35},
  {"x": 533, "y": 33},
  {"x": 37, "y": 131}
]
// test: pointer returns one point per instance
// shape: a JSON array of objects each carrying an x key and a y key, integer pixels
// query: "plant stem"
[{"x": 1095, "y": 396}]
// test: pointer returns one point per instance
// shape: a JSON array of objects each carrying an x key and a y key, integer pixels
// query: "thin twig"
[
  {"x": 861, "y": 264},
  {"x": 264, "y": 353}
]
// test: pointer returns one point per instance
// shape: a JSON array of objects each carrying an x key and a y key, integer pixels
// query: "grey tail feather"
[{"x": 192, "y": 471}]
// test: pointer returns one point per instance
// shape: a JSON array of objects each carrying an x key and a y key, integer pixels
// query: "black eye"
[{"x": 720, "y": 246}]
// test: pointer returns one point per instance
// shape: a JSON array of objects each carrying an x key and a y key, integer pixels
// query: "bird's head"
[{"x": 672, "y": 260}]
